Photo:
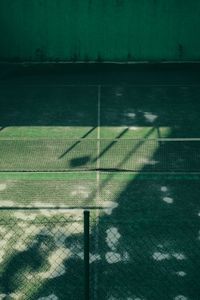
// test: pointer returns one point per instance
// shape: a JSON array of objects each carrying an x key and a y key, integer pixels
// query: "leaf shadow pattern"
[
  {"x": 148, "y": 248},
  {"x": 33, "y": 259},
  {"x": 70, "y": 284}
]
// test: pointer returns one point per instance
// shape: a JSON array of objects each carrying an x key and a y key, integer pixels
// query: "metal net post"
[{"x": 87, "y": 254}]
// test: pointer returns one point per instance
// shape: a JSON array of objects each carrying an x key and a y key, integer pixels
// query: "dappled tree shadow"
[
  {"x": 69, "y": 285},
  {"x": 148, "y": 247},
  {"x": 63, "y": 278},
  {"x": 33, "y": 259}
]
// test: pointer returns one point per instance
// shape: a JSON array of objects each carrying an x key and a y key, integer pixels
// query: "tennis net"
[{"x": 63, "y": 155}]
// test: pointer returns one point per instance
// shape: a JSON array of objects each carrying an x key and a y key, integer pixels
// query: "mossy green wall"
[{"x": 103, "y": 30}]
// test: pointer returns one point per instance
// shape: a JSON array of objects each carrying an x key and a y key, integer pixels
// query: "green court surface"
[{"x": 126, "y": 150}]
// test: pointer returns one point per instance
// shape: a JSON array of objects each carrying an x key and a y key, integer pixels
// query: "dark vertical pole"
[{"x": 87, "y": 253}]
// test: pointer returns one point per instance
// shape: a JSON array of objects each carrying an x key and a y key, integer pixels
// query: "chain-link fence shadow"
[
  {"x": 141, "y": 261},
  {"x": 41, "y": 258},
  {"x": 64, "y": 256}
]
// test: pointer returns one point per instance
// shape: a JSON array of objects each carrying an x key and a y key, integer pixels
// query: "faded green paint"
[{"x": 99, "y": 30}]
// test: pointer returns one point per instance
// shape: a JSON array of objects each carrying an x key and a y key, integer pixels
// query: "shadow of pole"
[
  {"x": 110, "y": 145},
  {"x": 76, "y": 143}
]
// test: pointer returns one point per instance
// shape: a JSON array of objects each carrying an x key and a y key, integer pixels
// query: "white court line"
[
  {"x": 98, "y": 138},
  {"x": 172, "y": 139}
]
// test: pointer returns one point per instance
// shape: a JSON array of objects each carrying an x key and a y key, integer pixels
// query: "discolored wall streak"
[{"x": 99, "y": 30}]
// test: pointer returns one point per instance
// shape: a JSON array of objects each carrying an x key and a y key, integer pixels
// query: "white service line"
[{"x": 98, "y": 125}]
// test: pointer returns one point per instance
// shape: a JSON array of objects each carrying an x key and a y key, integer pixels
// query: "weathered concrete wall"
[{"x": 103, "y": 30}]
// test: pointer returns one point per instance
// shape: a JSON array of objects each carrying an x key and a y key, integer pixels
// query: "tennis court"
[{"x": 128, "y": 150}]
